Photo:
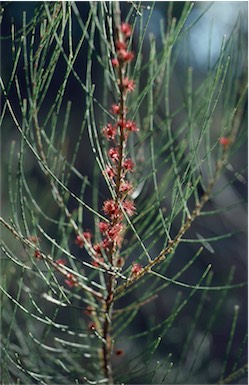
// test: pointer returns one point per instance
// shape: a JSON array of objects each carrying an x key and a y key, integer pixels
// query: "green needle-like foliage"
[{"x": 123, "y": 209}]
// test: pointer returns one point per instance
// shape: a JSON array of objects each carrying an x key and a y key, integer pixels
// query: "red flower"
[
  {"x": 97, "y": 249},
  {"x": 125, "y": 55},
  {"x": 115, "y": 109},
  {"x": 129, "y": 207},
  {"x": 109, "y": 132},
  {"x": 121, "y": 123},
  {"x": 120, "y": 45},
  {"x": 103, "y": 226},
  {"x": 114, "y": 232},
  {"x": 38, "y": 254},
  {"x": 96, "y": 262},
  {"x": 109, "y": 172},
  {"x": 71, "y": 281},
  {"x": 111, "y": 208},
  {"x": 82, "y": 239},
  {"x": 126, "y": 29},
  {"x": 115, "y": 62},
  {"x": 60, "y": 261},
  {"x": 131, "y": 126},
  {"x": 128, "y": 165},
  {"x": 224, "y": 141},
  {"x": 136, "y": 268},
  {"x": 113, "y": 153},
  {"x": 106, "y": 244},
  {"x": 125, "y": 187},
  {"x": 128, "y": 84}
]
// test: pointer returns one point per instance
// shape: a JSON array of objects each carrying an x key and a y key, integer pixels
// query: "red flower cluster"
[
  {"x": 128, "y": 165},
  {"x": 126, "y": 29},
  {"x": 71, "y": 280},
  {"x": 115, "y": 109},
  {"x": 128, "y": 85},
  {"x": 110, "y": 132},
  {"x": 123, "y": 55},
  {"x": 119, "y": 165},
  {"x": 83, "y": 238},
  {"x": 136, "y": 268},
  {"x": 38, "y": 254},
  {"x": 224, "y": 141},
  {"x": 97, "y": 261}
]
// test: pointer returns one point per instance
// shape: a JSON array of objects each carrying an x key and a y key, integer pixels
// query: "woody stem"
[{"x": 111, "y": 279}]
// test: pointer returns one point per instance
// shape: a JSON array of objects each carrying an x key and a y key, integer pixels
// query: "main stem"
[{"x": 111, "y": 279}]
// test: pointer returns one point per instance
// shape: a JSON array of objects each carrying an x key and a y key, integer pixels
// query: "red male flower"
[
  {"x": 103, "y": 227},
  {"x": 71, "y": 281},
  {"x": 110, "y": 208},
  {"x": 125, "y": 187},
  {"x": 60, "y": 261},
  {"x": 82, "y": 239},
  {"x": 109, "y": 172},
  {"x": 120, "y": 45},
  {"x": 224, "y": 141},
  {"x": 98, "y": 261},
  {"x": 128, "y": 84},
  {"x": 115, "y": 109},
  {"x": 131, "y": 126},
  {"x": 115, "y": 62},
  {"x": 109, "y": 132},
  {"x": 98, "y": 249},
  {"x": 38, "y": 254},
  {"x": 128, "y": 206},
  {"x": 128, "y": 165},
  {"x": 126, "y": 29},
  {"x": 114, "y": 154},
  {"x": 107, "y": 244},
  {"x": 136, "y": 268},
  {"x": 125, "y": 55},
  {"x": 115, "y": 231}
]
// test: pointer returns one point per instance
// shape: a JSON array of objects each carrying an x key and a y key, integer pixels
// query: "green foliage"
[{"x": 182, "y": 319}]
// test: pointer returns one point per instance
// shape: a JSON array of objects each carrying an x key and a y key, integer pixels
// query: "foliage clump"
[{"x": 120, "y": 210}]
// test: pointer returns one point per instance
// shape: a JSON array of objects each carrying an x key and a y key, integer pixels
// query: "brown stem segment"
[
  {"x": 107, "y": 342},
  {"x": 111, "y": 279}
]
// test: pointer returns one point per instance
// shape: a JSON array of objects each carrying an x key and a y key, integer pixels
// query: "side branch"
[
  {"x": 172, "y": 244},
  {"x": 47, "y": 258}
]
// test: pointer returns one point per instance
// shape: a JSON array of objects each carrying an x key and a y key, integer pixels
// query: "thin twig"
[
  {"x": 62, "y": 269},
  {"x": 172, "y": 244}
]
